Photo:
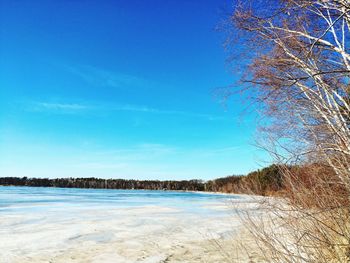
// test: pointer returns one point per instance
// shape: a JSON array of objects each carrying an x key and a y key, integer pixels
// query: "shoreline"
[
  {"x": 99, "y": 188},
  {"x": 122, "y": 189}
]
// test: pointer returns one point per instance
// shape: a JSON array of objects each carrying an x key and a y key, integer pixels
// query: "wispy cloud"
[
  {"x": 139, "y": 108},
  {"x": 105, "y": 78},
  {"x": 152, "y": 151},
  {"x": 56, "y": 107},
  {"x": 152, "y": 160},
  {"x": 140, "y": 151},
  {"x": 61, "y": 106},
  {"x": 80, "y": 108}
]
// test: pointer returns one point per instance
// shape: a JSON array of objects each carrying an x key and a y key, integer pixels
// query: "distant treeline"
[
  {"x": 261, "y": 182},
  {"x": 189, "y": 185}
]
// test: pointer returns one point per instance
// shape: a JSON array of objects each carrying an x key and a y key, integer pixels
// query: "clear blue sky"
[{"x": 118, "y": 89}]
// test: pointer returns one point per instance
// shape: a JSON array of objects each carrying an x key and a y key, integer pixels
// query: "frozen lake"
[{"x": 39, "y": 224}]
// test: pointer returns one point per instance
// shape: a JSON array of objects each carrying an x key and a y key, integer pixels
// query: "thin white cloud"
[
  {"x": 56, "y": 107},
  {"x": 149, "y": 151},
  {"x": 153, "y": 161},
  {"x": 105, "y": 78},
  {"x": 138, "y": 108},
  {"x": 62, "y": 106},
  {"x": 79, "y": 108},
  {"x": 141, "y": 151}
]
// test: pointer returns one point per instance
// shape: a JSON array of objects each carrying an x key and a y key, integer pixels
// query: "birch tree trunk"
[{"x": 300, "y": 76}]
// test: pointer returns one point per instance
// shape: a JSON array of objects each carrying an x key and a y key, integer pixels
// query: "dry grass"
[{"x": 311, "y": 223}]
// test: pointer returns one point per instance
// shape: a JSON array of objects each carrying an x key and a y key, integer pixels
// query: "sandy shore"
[{"x": 139, "y": 234}]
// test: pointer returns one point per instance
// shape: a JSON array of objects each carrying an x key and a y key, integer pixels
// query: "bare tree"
[{"x": 299, "y": 74}]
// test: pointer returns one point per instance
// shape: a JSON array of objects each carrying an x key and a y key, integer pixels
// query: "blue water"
[{"x": 41, "y": 199}]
